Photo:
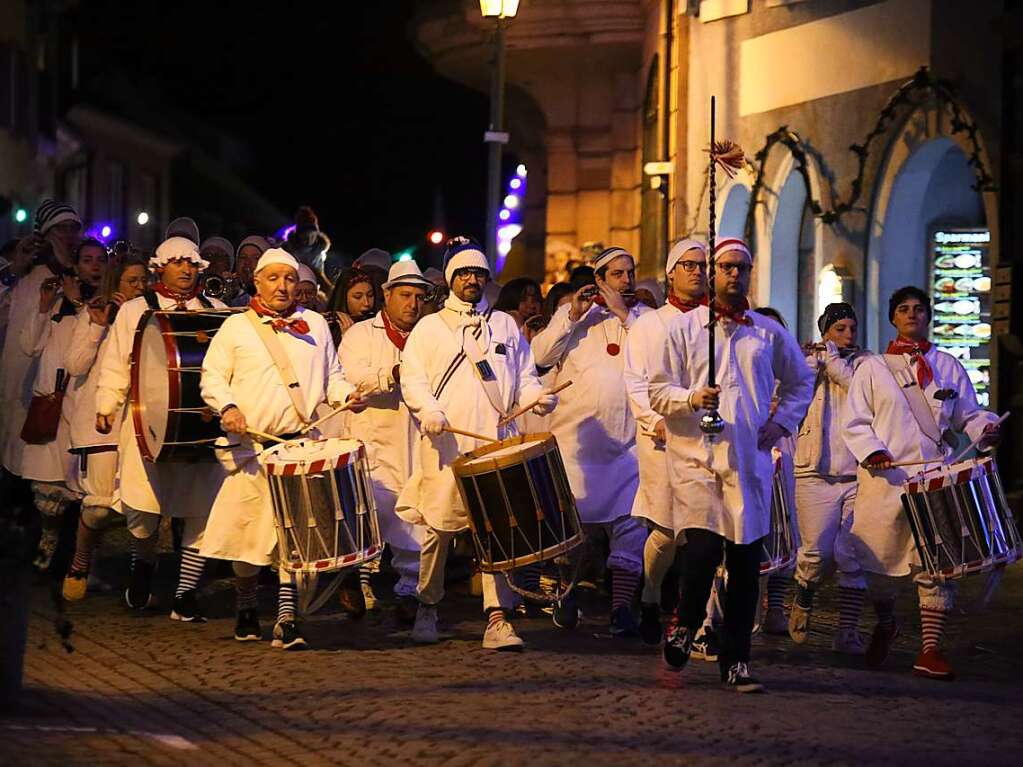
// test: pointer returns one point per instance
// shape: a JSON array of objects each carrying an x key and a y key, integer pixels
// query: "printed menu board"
[{"x": 961, "y": 299}]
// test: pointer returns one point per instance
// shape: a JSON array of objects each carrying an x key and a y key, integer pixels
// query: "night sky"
[{"x": 339, "y": 109}]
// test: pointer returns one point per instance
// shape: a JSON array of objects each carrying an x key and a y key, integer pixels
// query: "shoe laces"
[
  {"x": 677, "y": 634},
  {"x": 738, "y": 671}
]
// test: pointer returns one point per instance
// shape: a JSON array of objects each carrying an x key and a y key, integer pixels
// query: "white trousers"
[
  {"x": 432, "y": 561},
  {"x": 824, "y": 511}
]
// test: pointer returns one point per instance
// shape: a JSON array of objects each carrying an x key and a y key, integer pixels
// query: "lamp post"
[{"x": 496, "y": 137}]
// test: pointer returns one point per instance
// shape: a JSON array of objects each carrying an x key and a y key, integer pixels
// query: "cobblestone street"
[{"x": 143, "y": 690}]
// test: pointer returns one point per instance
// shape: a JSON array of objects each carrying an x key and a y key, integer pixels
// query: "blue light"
[{"x": 106, "y": 231}]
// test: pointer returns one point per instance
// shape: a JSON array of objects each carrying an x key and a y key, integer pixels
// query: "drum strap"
[
  {"x": 460, "y": 357},
  {"x": 906, "y": 381},
  {"x": 282, "y": 362},
  {"x": 484, "y": 372},
  {"x": 154, "y": 303}
]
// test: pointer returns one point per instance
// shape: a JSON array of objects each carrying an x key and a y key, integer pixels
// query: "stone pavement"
[{"x": 139, "y": 690}]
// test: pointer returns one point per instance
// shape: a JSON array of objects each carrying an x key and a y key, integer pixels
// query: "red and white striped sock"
[
  {"x": 623, "y": 587},
  {"x": 494, "y": 617},
  {"x": 85, "y": 543},
  {"x": 932, "y": 627},
  {"x": 850, "y": 605}
]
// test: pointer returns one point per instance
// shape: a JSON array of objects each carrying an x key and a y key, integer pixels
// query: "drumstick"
[
  {"x": 526, "y": 408},
  {"x": 264, "y": 436},
  {"x": 474, "y": 435},
  {"x": 327, "y": 417},
  {"x": 977, "y": 441}
]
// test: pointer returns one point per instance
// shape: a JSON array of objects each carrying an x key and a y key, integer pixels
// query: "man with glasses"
[
  {"x": 595, "y": 429},
  {"x": 686, "y": 269},
  {"x": 722, "y": 484},
  {"x": 466, "y": 367}
]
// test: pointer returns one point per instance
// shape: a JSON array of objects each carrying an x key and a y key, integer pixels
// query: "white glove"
[
  {"x": 433, "y": 423},
  {"x": 545, "y": 404}
]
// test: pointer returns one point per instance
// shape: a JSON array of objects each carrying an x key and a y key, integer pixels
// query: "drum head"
[
  {"x": 154, "y": 387},
  {"x": 310, "y": 456}
]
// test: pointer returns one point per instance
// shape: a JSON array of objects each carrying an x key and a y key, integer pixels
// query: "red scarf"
[
  {"x": 398, "y": 337},
  {"x": 280, "y": 322},
  {"x": 916, "y": 350},
  {"x": 735, "y": 315},
  {"x": 685, "y": 306},
  {"x": 173, "y": 295}
]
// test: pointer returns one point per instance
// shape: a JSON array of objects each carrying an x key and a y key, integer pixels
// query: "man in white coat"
[
  {"x": 371, "y": 355},
  {"x": 825, "y": 474},
  {"x": 686, "y": 269},
  {"x": 146, "y": 491},
  {"x": 723, "y": 485},
  {"x": 882, "y": 427},
  {"x": 594, "y": 426},
  {"x": 466, "y": 367},
  {"x": 60, "y": 227},
  {"x": 241, "y": 382}
]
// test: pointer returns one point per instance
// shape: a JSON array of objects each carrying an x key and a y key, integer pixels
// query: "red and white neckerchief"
[
  {"x": 685, "y": 306},
  {"x": 916, "y": 350},
  {"x": 733, "y": 314},
  {"x": 279, "y": 320},
  {"x": 182, "y": 299},
  {"x": 397, "y": 336}
]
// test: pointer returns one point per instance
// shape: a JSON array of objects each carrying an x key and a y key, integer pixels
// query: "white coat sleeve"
[
  {"x": 529, "y": 386},
  {"x": 839, "y": 370},
  {"x": 218, "y": 371},
  {"x": 967, "y": 415},
  {"x": 415, "y": 377},
  {"x": 356, "y": 355},
  {"x": 641, "y": 348},
  {"x": 795, "y": 382},
  {"x": 114, "y": 379},
  {"x": 85, "y": 341},
  {"x": 335, "y": 385},
  {"x": 858, "y": 416},
  {"x": 670, "y": 384},
  {"x": 35, "y": 332},
  {"x": 550, "y": 344}
]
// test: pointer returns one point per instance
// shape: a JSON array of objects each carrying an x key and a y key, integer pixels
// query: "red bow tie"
[
  {"x": 916, "y": 350},
  {"x": 279, "y": 320}
]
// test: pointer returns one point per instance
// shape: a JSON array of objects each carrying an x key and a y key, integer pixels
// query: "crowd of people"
[{"x": 384, "y": 342}]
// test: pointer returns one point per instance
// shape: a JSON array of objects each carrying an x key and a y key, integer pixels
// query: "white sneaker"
[
  {"x": 425, "y": 630},
  {"x": 501, "y": 636},
  {"x": 849, "y": 642}
]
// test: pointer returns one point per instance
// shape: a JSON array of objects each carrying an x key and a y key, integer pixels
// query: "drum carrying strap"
[
  {"x": 282, "y": 362},
  {"x": 906, "y": 380},
  {"x": 460, "y": 357},
  {"x": 484, "y": 371}
]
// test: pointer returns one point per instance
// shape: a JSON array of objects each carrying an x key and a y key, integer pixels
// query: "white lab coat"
[
  {"x": 724, "y": 485},
  {"x": 368, "y": 358},
  {"x": 171, "y": 488},
  {"x": 594, "y": 426},
  {"x": 50, "y": 462},
  {"x": 20, "y": 362},
  {"x": 877, "y": 417},
  {"x": 430, "y": 497},
  {"x": 644, "y": 351},
  {"x": 238, "y": 370}
]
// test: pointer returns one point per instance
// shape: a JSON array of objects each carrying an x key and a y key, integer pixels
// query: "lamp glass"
[{"x": 499, "y": 9}]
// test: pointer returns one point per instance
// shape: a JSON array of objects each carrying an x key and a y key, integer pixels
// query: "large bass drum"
[{"x": 171, "y": 420}]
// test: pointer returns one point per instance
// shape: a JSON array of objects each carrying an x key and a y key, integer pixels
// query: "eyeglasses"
[
  {"x": 693, "y": 266},
  {"x": 477, "y": 274},
  {"x": 734, "y": 268}
]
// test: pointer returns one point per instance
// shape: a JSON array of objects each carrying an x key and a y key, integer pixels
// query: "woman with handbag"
[
  {"x": 46, "y": 430},
  {"x": 93, "y": 468}
]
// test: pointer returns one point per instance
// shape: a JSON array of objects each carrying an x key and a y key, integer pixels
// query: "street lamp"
[{"x": 496, "y": 137}]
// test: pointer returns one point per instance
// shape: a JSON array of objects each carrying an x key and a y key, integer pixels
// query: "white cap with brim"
[
  {"x": 406, "y": 273},
  {"x": 175, "y": 248},
  {"x": 276, "y": 256},
  {"x": 305, "y": 274}
]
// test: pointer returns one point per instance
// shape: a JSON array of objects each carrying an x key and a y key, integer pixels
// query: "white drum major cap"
[{"x": 406, "y": 273}]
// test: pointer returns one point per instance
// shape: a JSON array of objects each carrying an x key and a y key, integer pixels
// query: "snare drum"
[
  {"x": 171, "y": 420},
  {"x": 521, "y": 508},
  {"x": 961, "y": 520},
  {"x": 779, "y": 545},
  {"x": 323, "y": 505}
]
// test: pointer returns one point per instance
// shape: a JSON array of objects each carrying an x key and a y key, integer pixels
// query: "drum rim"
[
  {"x": 545, "y": 555},
  {"x": 545, "y": 441},
  {"x": 271, "y": 455}
]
